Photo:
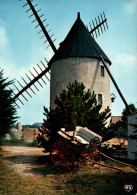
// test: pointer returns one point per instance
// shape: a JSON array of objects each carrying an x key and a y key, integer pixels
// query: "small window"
[
  {"x": 100, "y": 100},
  {"x": 102, "y": 71}
]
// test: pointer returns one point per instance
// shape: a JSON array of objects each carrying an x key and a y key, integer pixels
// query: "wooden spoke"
[{"x": 62, "y": 156}]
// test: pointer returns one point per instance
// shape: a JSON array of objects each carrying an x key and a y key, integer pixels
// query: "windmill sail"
[
  {"x": 99, "y": 25},
  {"x": 40, "y": 23},
  {"x": 31, "y": 83}
]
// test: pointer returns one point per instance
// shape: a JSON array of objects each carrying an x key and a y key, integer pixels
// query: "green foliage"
[
  {"x": 109, "y": 132},
  {"x": 126, "y": 112},
  {"x": 76, "y": 107},
  {"x": 113, "y": 128},
  {"x": 7, "y": 106}
]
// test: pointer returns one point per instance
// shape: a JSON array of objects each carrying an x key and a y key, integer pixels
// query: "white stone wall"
[
  {"x": 85, "y": 70},
  {"x": 132, "y": 144},
  {"x": 14, "y": 133}
]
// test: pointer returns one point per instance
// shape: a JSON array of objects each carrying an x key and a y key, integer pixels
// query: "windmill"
[{"x": 79, "y": 48}]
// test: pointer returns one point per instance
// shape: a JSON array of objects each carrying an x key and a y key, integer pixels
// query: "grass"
[{"x": 82, "y": 180}]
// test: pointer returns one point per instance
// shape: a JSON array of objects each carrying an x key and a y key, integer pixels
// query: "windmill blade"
[
  {"x": 42, "y": 70},
  {"x": 27, "y": 84},
  {"x": 91, "y": 29},
  {"x": 97, "y": 25},
  {"x": 100, "y": 24},
  {"x": 23, "y": 87},
  {"x": 34, "y": 78},
  {"x": 20, "y": 94},
  {"x": 94, "y": 29},
  {"x": 40, "y": 23},
  {"x": 38, "y": 74},
  {"x": 31, "y": 83},
  {"x": 17, "y": 98},
  {"x": 105, "y": 19}
]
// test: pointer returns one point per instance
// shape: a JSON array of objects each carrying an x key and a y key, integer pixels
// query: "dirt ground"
[
  {"x": 31, "y": 172},
  {"x": 24, "y": 160}
]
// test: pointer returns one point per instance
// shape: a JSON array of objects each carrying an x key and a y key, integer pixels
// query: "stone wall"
[
  {"x": 14, "y": 133},
  {"x": 29, "y": 134},
  {"x": 21, "y": 133}
]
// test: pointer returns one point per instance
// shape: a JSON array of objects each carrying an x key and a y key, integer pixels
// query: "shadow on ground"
[{"x": 38, "y": 164}]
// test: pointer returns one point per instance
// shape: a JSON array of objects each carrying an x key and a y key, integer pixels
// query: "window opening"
[
  {"x": 100, "y": 100},
  {"x": 102, "y": 71}
]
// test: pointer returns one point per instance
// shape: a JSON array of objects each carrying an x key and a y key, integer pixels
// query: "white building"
[{"x": 132, "y": 144}]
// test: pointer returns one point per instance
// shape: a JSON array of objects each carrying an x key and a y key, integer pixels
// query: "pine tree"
[
  {"x": 126, "y": 112},
  {"x": 76, "y": 107},
  {"x": 114, "y": 127},
  {"x": 7, "y": 106}
]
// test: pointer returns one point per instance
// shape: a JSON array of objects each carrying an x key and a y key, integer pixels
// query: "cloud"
[
  {"x": 4, "y": 52},
  {"x": 6, "y": 61},
  {"x": 130, "y": 7},
  {"x": 125, "y": 59},
  {"x": 3, "y": 40},
  {"x": 46, "y": 52},
  {"x": 5, "y": 57},
  {"x": 124, "y": 69}
]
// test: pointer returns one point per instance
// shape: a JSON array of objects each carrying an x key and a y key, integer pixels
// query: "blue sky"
[{"x": 21, "y": 48}]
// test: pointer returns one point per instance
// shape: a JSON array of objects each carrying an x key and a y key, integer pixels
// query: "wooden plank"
[
  {"x": 64, "y": 135},
  {"x": 74, "y": 142}
]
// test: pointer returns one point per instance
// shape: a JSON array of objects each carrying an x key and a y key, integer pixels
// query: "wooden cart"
[{"x": 79, "y": 145}]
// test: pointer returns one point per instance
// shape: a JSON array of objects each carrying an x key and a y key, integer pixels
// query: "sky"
[{"x": 21, "y": 48}]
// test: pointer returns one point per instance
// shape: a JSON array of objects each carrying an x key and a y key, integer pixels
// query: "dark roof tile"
[{"x": 79, "y": 43}]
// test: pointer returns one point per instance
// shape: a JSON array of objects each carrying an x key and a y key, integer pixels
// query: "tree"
[
  {"x": 126, "y": 112},
  {"x": 7, "y": 106},
  {"x": 122, "y": 124},
  {"x": 76, "y": 107}
]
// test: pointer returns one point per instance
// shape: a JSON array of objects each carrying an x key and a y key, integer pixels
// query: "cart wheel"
[
  {"x": 62, "y": 156},
  {"x": 90, "y": 157}
]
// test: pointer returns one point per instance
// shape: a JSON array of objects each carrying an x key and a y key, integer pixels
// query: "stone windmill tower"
[{"x": 78, "y": 59}]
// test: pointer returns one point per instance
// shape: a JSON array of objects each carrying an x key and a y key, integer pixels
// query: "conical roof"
[{"x": 79, "y": 43}]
